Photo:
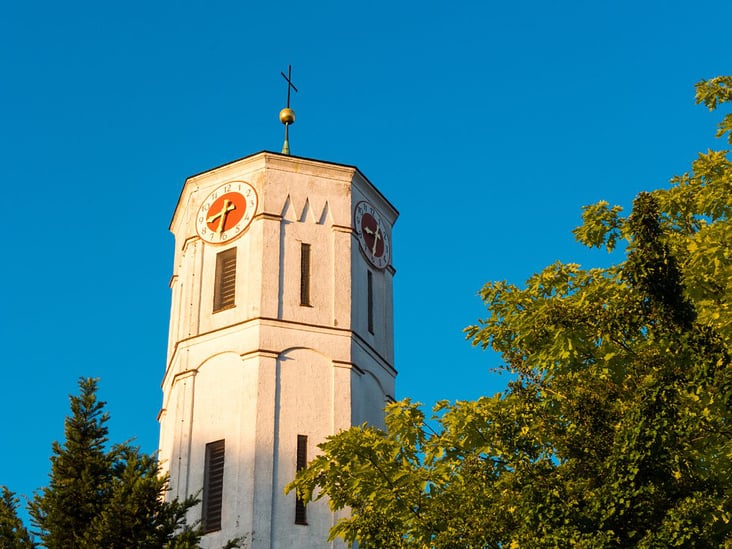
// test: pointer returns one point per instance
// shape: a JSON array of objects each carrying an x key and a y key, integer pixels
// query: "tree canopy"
[{"x": 615, "y": 430}]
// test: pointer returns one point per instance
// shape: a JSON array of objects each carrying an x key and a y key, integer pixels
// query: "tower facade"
[{"x": 281, "y": 333}]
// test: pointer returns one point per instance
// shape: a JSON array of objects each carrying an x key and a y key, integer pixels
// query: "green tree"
[
  {"x": 13, "y": 534},
  {"x": 615, "y": 430},
  {"x": 101, "y": 496}
]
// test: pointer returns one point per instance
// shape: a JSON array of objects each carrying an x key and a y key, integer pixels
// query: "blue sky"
[{"x": 488, "y": 125}]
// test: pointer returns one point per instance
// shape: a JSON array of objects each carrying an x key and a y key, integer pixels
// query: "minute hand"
[{"x": 376, "y": 234}]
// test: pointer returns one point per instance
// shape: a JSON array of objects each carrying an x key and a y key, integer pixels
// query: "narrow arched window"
[
  {"x": 370, "y": 296},
  {"x": 304, "y": 274},
  {"x": 301, "y": 516}
]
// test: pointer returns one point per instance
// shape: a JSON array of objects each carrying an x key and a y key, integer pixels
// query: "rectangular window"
[
  {"x": 304, "y": 274},
  {"x": 225, "y": 283},
  {"x": 370, "y": 290},
  {"x": 302, "y": 462},
  {"x": 213, "y": 486}
]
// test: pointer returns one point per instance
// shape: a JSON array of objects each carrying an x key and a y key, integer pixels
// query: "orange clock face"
[
  {"x": 372, "y": 235},
  {"x": 226, "y": 212}
]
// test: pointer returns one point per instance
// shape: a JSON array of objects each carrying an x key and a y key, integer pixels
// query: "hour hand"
[{"x": 368, "y": 231}]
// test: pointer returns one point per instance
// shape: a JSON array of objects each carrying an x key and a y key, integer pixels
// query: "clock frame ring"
[
  {"x": 373, "y": 235},
  {"x": 226, "y": 212}
]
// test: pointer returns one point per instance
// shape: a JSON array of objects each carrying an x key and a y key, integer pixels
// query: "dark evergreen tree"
[
  {"x": 13, "y": 535},
  {"x": 102, "y": 496},
  {"x": 81, "y": 474}
]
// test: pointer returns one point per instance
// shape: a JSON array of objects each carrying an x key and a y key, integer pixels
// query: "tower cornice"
[
  {"x": 270, "y": 159},
  {"x": 259, "y": 322}
]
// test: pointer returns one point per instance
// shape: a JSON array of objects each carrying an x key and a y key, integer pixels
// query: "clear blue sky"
[{"x": 487, "y": 124}]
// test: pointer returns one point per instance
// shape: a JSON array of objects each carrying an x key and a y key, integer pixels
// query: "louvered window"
[
  {"x": 225, "y": 283},
  {"x": 304, "y": 274},
  {"x": 302, "y": 461},
  {"x": 370, "y": 291},
  {"x": 213, "y": 486}
]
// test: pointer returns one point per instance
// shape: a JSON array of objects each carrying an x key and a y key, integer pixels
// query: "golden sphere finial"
[{"x": 287, "y": 116}]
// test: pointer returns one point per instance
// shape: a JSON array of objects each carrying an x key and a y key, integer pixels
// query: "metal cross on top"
[
  {"x": 287, "y": 115},
  {"x": 290, "y": 85}
]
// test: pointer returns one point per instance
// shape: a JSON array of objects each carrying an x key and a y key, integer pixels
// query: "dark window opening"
[
  {"x": 370, "y": 283},
  {"x": 302, "y": 461},
  {"x": 304, "y": 274},
  {"x": 225, "y": 283},
  {"x": 213, "y": 486}
]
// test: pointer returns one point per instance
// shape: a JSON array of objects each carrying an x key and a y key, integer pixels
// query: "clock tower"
[{"x": 281, "y": 334}]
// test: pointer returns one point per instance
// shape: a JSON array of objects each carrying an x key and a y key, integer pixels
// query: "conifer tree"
[
  {"x": 101, "y": 496},
  {"x": 13, "y": 534},
  {"x": 81, "y": 473}
]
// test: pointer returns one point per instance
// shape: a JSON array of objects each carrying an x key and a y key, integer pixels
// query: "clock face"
[
  {"x": 372, "y": 233},
  {"x": 226, "y": 212}
]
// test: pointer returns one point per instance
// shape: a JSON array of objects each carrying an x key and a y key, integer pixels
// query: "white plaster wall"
[{"x": 320, "y": 239}]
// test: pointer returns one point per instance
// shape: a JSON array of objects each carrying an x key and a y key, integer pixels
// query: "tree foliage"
[
  {"x": 616, "y": 429},
  {"x": 13, "y": 534}
]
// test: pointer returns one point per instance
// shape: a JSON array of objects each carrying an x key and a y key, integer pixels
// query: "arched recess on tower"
[
  {"x": 215, "y": 400},
  {"x": 369, "y": 399},
  {"x": 311, "y": 394},
  {"x": 312, "y": 399},
  {"x": 226, "y": 391}
]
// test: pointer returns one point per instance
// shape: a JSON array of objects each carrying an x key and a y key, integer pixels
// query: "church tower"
[{"x": 281, "y": 333}]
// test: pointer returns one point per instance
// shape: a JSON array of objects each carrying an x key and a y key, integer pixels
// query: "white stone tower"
[{"x": 281, "y": 333}]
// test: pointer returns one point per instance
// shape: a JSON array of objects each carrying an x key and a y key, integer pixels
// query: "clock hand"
[
  {"x": 221, "y": 216},
  {"x": 377, "y": 236}
]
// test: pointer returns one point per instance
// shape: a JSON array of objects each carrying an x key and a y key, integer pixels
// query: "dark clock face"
[
  {"x": 226, "y": 212},
  {"x": 372, "y": 233}
]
